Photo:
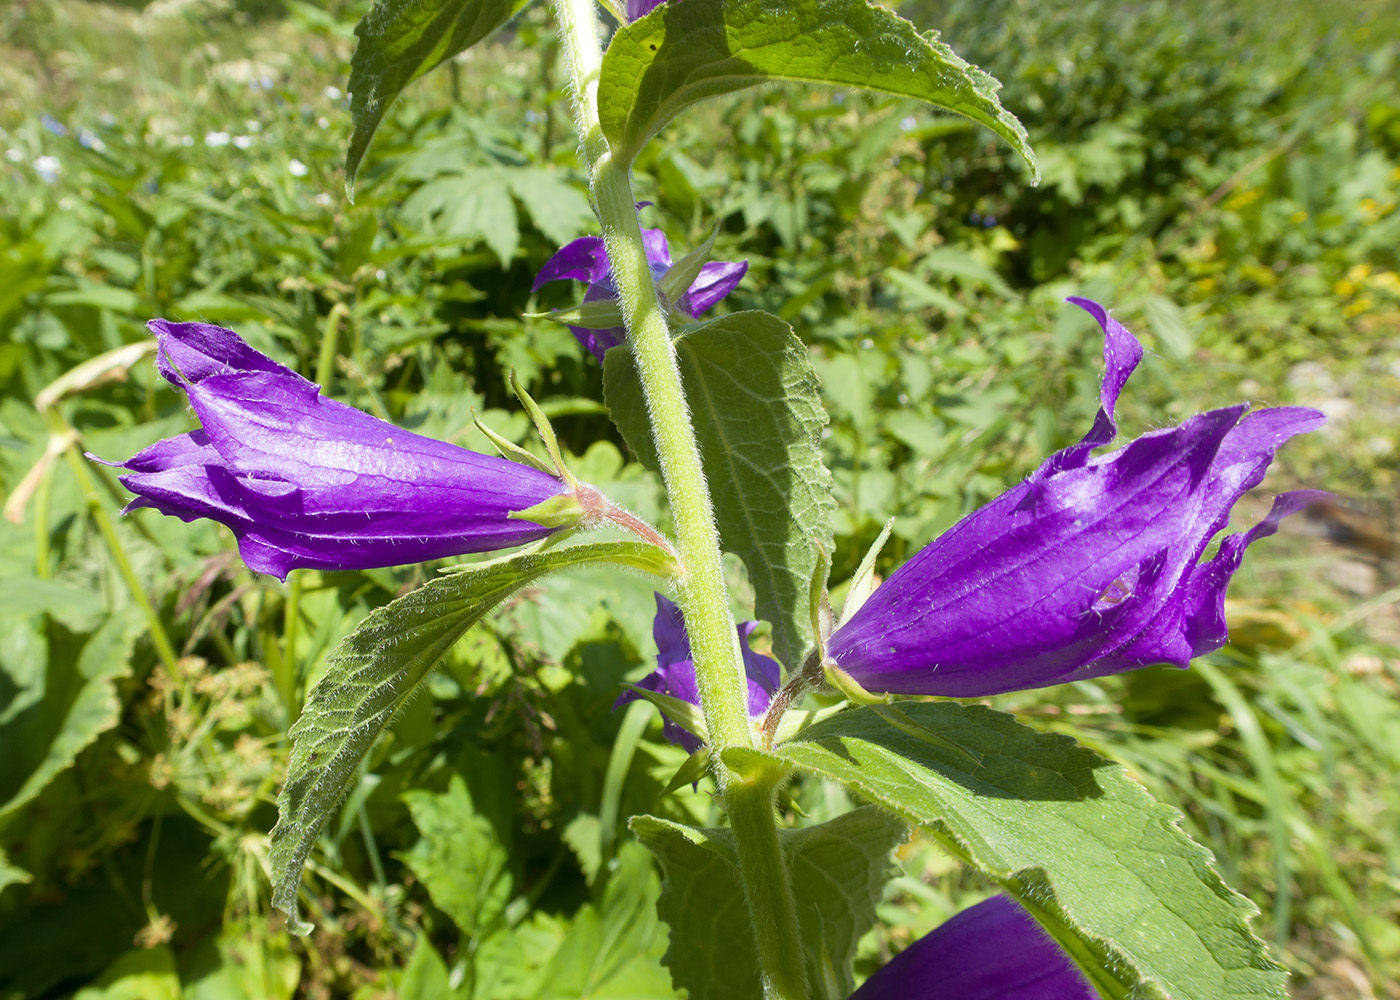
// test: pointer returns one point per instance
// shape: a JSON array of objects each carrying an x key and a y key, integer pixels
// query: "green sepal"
[
  {"x": 692, "y": 770},
  {"x": 848, "y": 687},
  {"x": 682, "y": 713},
  {"x": 900, "y": 720},
  {"x": 545, "y": 429},
  {"x": 603, "y": 314},
  {"x": 863, "y": 583},
  {"x": 512, "y": 451},
  {"x": 819, "y": 605},
  {"x": 561, "y": 511},
  {"x": 794, "y": 723},
  {"x": 682, "y": 274}
]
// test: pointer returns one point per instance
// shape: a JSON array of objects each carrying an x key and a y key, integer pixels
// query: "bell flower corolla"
[
  {"x": 675, "y": 671},
  {"x": 640, "y": 8},
  {"x": 586, "y": 259},
  {"x": 992, "y": 951},
  {"x": 307, "y": 482},
  {"x": 1092, "y": 566}
]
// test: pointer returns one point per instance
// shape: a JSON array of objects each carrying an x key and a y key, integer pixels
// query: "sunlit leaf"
[
  {"x": 458, "y": 857},
  {"x": 838, "y": 871},
  {"x": 400, "y": 40},
  {"x": 684, "y": 53},
  {"x": 1102, "y": 865}
]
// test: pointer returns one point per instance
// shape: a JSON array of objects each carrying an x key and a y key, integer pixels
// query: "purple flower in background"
[
  {"x": 1089, "y": 567},
  {"x": 307, "y": 482},
  {"x": 586, "y": 259},
  {"x": 675, "y": 671},
  {"x": 992, "y": 951},
  {"x": 640, "y": 8}
]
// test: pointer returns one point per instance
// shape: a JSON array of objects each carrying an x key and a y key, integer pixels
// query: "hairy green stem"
[
  {"x": 713, "y": 640},
  {"x": 714, "y": 643},
  {"x": 749, "y": 800}
]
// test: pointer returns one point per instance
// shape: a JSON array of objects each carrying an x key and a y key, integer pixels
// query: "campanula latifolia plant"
[{"x": 1098, "y": 562}]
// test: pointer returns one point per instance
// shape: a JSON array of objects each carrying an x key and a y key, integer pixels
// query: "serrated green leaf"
[
  {"x": 425, "y": 977},
  {"x": 758, "y": 416},
  {"x": 459, "y": 858},
  {"x": 1102, "y": 865},
  {"x": 377, "y": 667},
  {"x": 78, "y": 703},
  {"x": 684, "y": 53},
  {"x": 400, "y": 40},
  {"x": 558, "y": 208},
  {"x": 475, "y": 204},
  {"x": 613, "y": 950},
  {"x": 838, "y": 870}
]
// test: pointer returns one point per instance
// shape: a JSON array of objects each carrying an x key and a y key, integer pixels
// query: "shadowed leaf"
[
  {"x": 377, "y": 667},
  {"x": 758, "y": 415}
]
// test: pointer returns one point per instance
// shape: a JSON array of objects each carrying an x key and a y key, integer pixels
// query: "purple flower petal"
[
  {"x": 1089, "y": 567},
  {"x": 192, "y": 352},
  {"x": 640, "y": 8},
  {"x": 585, "y": 259},
  {"x": 716, "y": 280},
  {"x": 992, "y": 951},
  {"x": 668, "y": 631},
  {"x": 675, "y": 671},
  {"x": 307, "y": 482},
  {"x": 658, "y": 251},
  {"x": 1121, "y": 354}
]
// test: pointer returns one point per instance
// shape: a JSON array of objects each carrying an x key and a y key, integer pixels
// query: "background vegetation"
[{"x": 1227, "y": 178}]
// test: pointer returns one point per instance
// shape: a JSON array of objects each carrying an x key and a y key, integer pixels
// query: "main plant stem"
[{"x": 703, "y": 599}]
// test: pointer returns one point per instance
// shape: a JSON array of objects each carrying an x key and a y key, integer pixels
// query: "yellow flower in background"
[
  {"x": 1373, "y": 210},
  {"x": 1298, "y": 216},
  {"x": 1242, "y": 198},
  {"x": 1387, "y": 281}
]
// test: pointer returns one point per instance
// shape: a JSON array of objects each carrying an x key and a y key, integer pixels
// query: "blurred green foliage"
[{"x": 1227, "y": 178}]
